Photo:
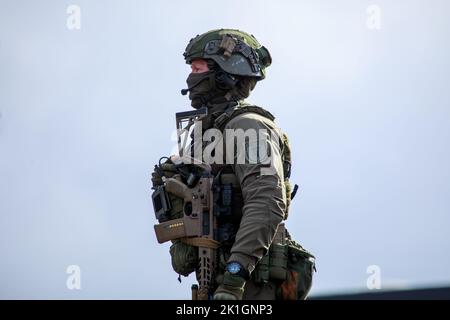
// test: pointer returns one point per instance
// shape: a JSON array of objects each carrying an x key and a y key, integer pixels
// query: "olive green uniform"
[
  {"x": 264, "y": 205},
  {"x": 278, "y": 267},
  {"x": 263, "y": 195}
]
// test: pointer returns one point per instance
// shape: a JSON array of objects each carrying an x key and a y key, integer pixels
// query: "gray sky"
[{"x": 85, "y": 114}]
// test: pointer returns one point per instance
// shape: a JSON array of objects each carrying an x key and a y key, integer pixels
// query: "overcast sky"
[{"x": 85, "y": 114}]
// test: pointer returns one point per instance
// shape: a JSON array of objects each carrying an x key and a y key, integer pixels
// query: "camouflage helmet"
[{"x": 236, "y": 52}]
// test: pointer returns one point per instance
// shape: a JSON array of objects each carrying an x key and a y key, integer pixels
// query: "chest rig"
[{"x": 228, "y": 193}]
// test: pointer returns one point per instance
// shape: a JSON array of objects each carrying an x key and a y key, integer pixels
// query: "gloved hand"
[
  {"x": 166, "y": 169},
  {"x": 232, "y": 288}
]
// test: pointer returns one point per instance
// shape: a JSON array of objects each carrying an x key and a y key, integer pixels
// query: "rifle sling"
[{"x": 201, "y": 242}]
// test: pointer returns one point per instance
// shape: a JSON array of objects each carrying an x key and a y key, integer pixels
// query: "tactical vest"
[
  {"x": 287, "y": 264},
  {"x": 227, "y": 173}
]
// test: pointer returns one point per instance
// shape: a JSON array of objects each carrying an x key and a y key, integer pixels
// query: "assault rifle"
[{"x": 194, "y": 183}]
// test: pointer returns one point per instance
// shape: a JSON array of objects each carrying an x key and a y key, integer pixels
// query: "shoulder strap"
[{"x": 234, "y": 111}]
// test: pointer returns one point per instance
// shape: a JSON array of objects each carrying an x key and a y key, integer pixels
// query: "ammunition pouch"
[
  {"x": 289, "y": 266},
  {"x": 301, "y": 267},
  {"x": 278, "y": 262},
  {"x": 184, "y": 257},
  {"x": 273, "y": 266}
]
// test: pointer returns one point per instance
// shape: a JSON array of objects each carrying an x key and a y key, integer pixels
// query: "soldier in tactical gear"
[{"x": 257, "y": 257}]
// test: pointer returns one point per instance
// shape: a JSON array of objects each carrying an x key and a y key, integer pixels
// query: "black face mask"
[
  {"x": 201, "y": 88},
  {"x": 209, "y": 87}
]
